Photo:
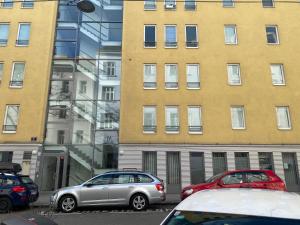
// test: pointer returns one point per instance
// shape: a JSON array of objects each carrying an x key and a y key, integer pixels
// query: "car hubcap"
[
  {"x": 68, "y": 204},
  {"x": 139, "y": 202},
  {"x": 3, "y": 204}
]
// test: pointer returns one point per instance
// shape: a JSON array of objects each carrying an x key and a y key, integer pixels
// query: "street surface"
[{"x": 99, "y": 216}]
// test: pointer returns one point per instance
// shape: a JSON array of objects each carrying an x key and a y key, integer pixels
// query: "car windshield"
[
  {"x": 26, "y": 180},
  {"x": 214, "y": 178},
  {"x": 205, "y": 218}
]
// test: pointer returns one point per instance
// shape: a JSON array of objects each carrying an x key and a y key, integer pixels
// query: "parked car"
[
  {"x": 133, "y": 188},
  {"x": 15, "y": 189},
  {"x": 262, "y": 179},
  {"x": 237, "y": 207}
]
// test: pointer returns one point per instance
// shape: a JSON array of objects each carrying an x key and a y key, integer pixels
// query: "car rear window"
[
  {"x": 142, "y": 178},
  {"x": 205, "y": 218},
  {"x": 8, "y": 180},
  {"x": 26, "y": 180},
  {"x": 256, "y": 176}
]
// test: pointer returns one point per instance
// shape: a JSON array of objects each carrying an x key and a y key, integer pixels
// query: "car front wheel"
[
  {"x": 67, "y": 204},
  {"x": 139, "y": 202}
]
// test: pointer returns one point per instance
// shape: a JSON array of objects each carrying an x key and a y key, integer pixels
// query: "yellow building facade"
[
  {"x": 208, "y": 87},
  {"x": 26, "y": 46}
]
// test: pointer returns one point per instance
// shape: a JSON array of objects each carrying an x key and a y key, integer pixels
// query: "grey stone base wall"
[{"x": 130, "y": 156}]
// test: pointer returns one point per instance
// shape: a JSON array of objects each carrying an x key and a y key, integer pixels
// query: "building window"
[
  {"x": 277, "y": 74},
  {"x": 192, "y": 73},
  {"x": 149, "y": 119},
  {"x": 219, "y": 162},
  {"x": 233, "y": 71},
  {"x": 79, "y": 137},
  {"x": 170, "y": 36},
  {"x": 27, "y": 4},
  {"x": 82, "y": 86},
  {"x": 150, "y": 36},
  {"x": 170, "y": 4},
  {"x": 60, "y": 137},
  {"x": 149, "y": 75},
  {"x": 7, "y": 4},
  {"x": 1, "y": 70},
  {"x": 230, "y": 34},
  {"x": 6, "y": 156},
  {"x": 242, "y": 161},
  {"x": 194, "y": 119},
  {"x": 237, "y": 117},
  {"x": 4, "y": 28},
  {"x": 171, "y": 76},
  {"x": 266, "y": 161},
  {"x": 267, "y": 3},
  {"x": 172, "y": 119},
  {"x": 11, "y": 118},
  {"x": 17, "y": 76},
  {"x": 150, "y": 162},
  {"x": 190, "y": 4},
  {"x": 150, "y": 4},
  {"x": 197, "y": 167},
  {"x": 109, "y": 69},
  {"x": 107, "y": 121},
  {"x": 62, "y": 112},
  {"x": 108, "y": 93},
  {"x": 23, "y": 34},
  {"x": 272, "y": 34},
  {"x": 191, "y": 36},
  {"x": 27, "y": 155},
  {"x": 228, "y": 3},
  {"x": 283, "y": 117}
]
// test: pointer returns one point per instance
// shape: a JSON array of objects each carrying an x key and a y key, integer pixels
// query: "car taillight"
[
  {"x": 18, "y": 189},
  {"x": 159, "y": 187}
]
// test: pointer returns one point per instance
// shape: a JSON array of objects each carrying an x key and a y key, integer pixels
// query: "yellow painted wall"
[
  {"x": 32, "y": 97},
  {"x": 256, "y": 93}
]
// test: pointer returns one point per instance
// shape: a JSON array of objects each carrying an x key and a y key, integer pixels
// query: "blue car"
[{"x": 15, "y": 189}]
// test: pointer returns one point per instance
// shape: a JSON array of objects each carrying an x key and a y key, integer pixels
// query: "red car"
[{"x": 263, "y": 179}]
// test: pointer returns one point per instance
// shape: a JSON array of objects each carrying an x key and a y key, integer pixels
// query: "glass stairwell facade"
[{"x": 84, "y": 98}]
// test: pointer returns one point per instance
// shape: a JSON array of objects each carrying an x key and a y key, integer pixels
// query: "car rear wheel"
[
  {"x": 5, "y": 204},
  {"x": 139, "y": 202},
  {"x": 67, "y": 204}
]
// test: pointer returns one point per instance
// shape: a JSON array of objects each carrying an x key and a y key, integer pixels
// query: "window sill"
[
  {"x": 172, "y": 132},
  {"x": 240, "y": 84},
  {"x": 8, "y": 132},
  {"x": 191, "y": 132},
  {"x": 241, "y": 128},
  {"x": 175, "y": 47},
  {"x": 150, "y": 9},
  {"x": 149, "y": 132},
  {"x": 192, "y": 47},
  {"x": 279, "y": 84},
  {"x": 231, "y": 43},
  {"x": 284, "y": 129},
  {"x": 21, "y": 45},
  {"x": 273, "y": 43},
  {"x": 149, "y": 47},
  {"x": 147, "y": 88},
  {"x": 16, "y": 87},
  {"x": 190, "y": 88},
  {"x": 171, "y": 88}
]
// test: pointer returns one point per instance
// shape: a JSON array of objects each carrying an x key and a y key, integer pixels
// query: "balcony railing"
[
  {"x": 149, "y": 128},
  {"x": 196, "y": 129},
  {"x": 149, "y": 84},
  {"x": 191, "y": 44},
  {"x": 16, "y": 83},
  {"x": 3, "y": 42},
  {"x": 193, "y": 84},
  {"x": 172, "y": 128},
  {"x": 150, "y": 44},
  {"x": 171, "y": 84},
  {"x": 9, "y": 127},
  {"x": 22, "y": 42},
  {"x": 171, "y": 44}
]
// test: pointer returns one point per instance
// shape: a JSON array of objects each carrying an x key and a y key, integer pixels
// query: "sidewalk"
[{"x": 44, "y": 198}]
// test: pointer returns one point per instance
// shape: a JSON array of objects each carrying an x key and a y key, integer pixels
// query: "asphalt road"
[{"x": 104, "y": 216}]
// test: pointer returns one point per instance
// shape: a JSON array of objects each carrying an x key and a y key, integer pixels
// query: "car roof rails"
[
  {"x": 126, "y": 170},
  {"x": 7, "y": 167}
]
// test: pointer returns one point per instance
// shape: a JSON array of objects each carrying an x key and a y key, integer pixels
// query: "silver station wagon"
[{"x": 134, "y": 188}]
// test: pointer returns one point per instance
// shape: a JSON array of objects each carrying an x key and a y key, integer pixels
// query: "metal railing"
[
  {"x": 191, "y": 44},
  {"x": 149, "y": 84},
  {"x": 9, "y": 127},
  {"x": 195, "y": 129},
  {"x": 171, "y": 44},
  {"x": 193, "y": 84},
  {"x": 3, "y": 42},
  {"x": 171, "y": 84},
  {"x": 15, "y": 83},
  {"x": 22, "y": 42},
  {"x": 149, "y": 128},
  {"x": 172, "y": 128},
  {"x": 150, "y": 44}
]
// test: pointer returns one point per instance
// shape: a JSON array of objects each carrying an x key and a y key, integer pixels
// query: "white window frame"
[
  {"x": 155, "y": 28},
  {"x": 228, "y": 75},
  {"x": 110, "y": 93},
  {"x": 282, "y": 74},
  {"x": 171, "y": 8},
  {"x": 232, "y": 6},
  {"x": 200, "y": 116},
  {"x": 5, "y": 117},
  {"x": 235, "y": 32},
  {"x": 12, "y": 74},
  {"x": 289, "y": 118},
  {"x": 153, "y": 9},
  {"x": 277, "y": 34},
  {"x": 232, "y": 119},
  {"x": 166, "y": 119},
  {"x": 171, "y": 64},
  {"x": 185, "y": 34},
  {"x": 155, "y": 114},
  {"x": 165, "y": 35},
  {"x": 198, "y": 70},
  {"x": 144, "y": 70},
  {"x": 20, "y": 24},
  {"x": 80, "y": 87}
]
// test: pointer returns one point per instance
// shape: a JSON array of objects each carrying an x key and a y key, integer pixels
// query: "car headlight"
[{"x": 189, "y": 191}]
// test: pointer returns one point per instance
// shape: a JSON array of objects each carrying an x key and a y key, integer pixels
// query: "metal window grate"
[
  {"x": 150, "y": 162},
  {"x": 242, "y": 160},
  {"x": 27, "y": 155},
  {"x": 266, "y": 161},
  {"x": 219, "y": 162}
]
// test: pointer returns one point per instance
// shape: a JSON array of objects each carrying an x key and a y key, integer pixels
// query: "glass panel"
[
  {"x": 171, "y": 76},
  {"x": 150, "y": 38},
  {"x": 237, "y": 117},
  {"x": 266, "y": 161},
  {"x": 197, "y": 167},
  {"x": 234, "y": 74},
  {"x": 283, "y": 118},
  {"x": 190, "y": 4},
  {"x": 149, "y": 75},
  {"x": 27, "y": 4},
  {"x": 150, "y": 162},
  {"x": 4, "y": 28},
  {"x": 267, "y": 3},
  {"x": 105, "y": 158},
  {"x": 230, "y": 35},
  {"x": 272, "y": 35},
  {"x": 150, "y": 4},
  {"x": 219, "y": 162},
  {"x": 242, "y": 160},
  {"x": 228, "y": 3},
  {"x": 23, "y": 36},
  {"x": 172, "y": 119},
  {"x": 193, "y": 76},
  {"x": 12, "y": 116},
  {"x": 277, "y": 74},
  {"x": 18, "y": 74},
  {"x": 170, "y": 35},
  {"x": 191, "y": 34},
  {"x": 7, "y": 4},
  {"x": 149, "y": 119},
  {"x": 68, "y": 13}
]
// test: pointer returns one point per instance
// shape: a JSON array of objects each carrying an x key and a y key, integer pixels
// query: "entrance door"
[
  {"x": 52, "y": 172},
  {"x": 291, "y": 171},
  {"x": 173, "y": 173}
]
